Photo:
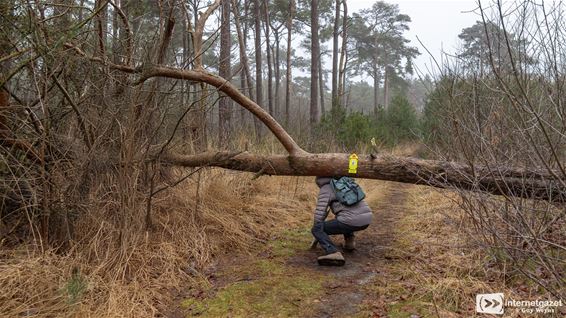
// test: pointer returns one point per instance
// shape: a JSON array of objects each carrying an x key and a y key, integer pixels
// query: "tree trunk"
[
  {"x": 508, "y": 181},
  {"x": 288, "y": 71},
  {"x": 375, "y": 86},
  {"x": 225, "y": 103},
  {"x": 440, "y": 174},
  {"x": 385, "y": 89},
  {"x": 186, "y": 96},
  {"x": 321, "y": 87},
  {"x": 246, "y": 77},
  {"x": 343, "y": 52},
  {"x": 200, "y": 124},
  {"x": 101, "y": 27},
  {"x": 335, "y": 55},
  {"x": 6, "y": 12},
  {"x": 115, "y": 56},
  {"x": 99, "y": 77},
  {"x": 315, "y": 55},
  {"x": 269, "y": 60},
  {"x": 258, "y": 75},
  {"x": 277, "y": 74},
  {"x": 243, "y": 88}
]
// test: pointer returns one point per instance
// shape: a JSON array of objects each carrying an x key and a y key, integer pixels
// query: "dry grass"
[
  {"x": 438, "y": 265},
  {"x": 442, "y": 270},
  {"x": 115, "y": 267},
  {"x": 140, "y": 273},
  {"x": 430, "y": 268}
]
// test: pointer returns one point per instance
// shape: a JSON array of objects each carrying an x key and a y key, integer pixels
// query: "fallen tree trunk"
[
  {"x": 524, "y": 183},
  {"x": 539, "y": 185}
]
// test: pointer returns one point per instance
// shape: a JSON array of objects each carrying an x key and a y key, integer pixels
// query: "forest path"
[
  {"x": 344, "y": 291},
  {"x": 284, "y": 280}
]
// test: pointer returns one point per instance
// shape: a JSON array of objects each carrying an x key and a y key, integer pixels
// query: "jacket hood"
[{"x": 320, "y": 181}]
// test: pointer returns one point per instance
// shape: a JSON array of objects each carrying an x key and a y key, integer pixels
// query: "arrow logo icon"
[{"x": 490, "y": 303}]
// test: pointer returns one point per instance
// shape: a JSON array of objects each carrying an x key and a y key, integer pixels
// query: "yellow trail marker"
[{"x": 353, "y": 163}]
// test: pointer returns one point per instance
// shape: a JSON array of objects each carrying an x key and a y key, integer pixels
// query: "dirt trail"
[
  {"x": 284, "y": 279},
  {"x": 368, "y": 263}
]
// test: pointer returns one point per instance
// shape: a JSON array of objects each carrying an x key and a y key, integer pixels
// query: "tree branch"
[{"x": 199, "y": 29}]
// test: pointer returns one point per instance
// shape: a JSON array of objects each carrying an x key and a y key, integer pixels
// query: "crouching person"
[{"x": 345, "y": 199}]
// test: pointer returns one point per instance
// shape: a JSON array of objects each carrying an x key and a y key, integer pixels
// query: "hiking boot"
[
  {"x": 334, "y": 259},
  {"x": 314, "y": 243},
  {"x": 349, "y": 244}
]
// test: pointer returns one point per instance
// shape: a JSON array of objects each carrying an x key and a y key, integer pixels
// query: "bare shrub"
[{"x": 503, "y": 107}]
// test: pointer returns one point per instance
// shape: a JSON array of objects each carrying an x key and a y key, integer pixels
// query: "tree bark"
[
  {"x": 5, "y": 11},
  {"x": 288, "y": 71},
  {"x": 375, "y": 86},
  {"x": 101, "y": 27},
  {"x": 246, "y": 78},
  {"x": 186, "y": 88},
  {"x": 258, "y": 74},
  {"x": 225, "y": 103},
  {"x": 343, "y": 52},
  {"x": 385, "y": 89},
  {"x": 321, "y": 86},
  {"x": 315, "y": 55},
  {"x": 115, "y": 49},
  {"x": 441, "y": 174},
  {"x": 335, "y": 55},
  {"x": 269, "y": 60},
  {"x": 277, "y": 73}
]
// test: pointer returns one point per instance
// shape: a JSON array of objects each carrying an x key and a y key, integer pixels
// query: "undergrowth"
[{"x": 142, "y": 274}]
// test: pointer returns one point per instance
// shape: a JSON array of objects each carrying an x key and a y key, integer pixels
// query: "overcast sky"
[{"x": 437, "y": 23}]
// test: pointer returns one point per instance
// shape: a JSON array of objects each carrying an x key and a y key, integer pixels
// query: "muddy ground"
[
  {"x": 284, "y": 280},
  {"x": 367, "y": 264}
]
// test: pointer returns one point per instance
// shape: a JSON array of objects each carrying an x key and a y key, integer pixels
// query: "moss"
[
  {"x": 295, "y": 240},
  {"x": 269, "y": 287},
  {"x": 277, "y": 292},
  {"x": 268, "y": 297}
]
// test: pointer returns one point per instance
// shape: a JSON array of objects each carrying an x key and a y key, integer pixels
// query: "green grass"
[
  {"x": 276, "y": 296},
  {"x": 75, "y": 287},
  {"x": 269, "y": 287},
  {"x": 294, "y": 240}
]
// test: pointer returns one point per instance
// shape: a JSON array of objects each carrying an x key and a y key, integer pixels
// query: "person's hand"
[{"x": 314, "y": 243}]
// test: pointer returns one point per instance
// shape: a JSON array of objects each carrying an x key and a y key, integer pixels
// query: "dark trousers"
[{"x": 322, "y": 230}]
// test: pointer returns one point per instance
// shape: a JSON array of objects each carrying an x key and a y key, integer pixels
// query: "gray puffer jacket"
[{"x": 358, "y": 214}]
